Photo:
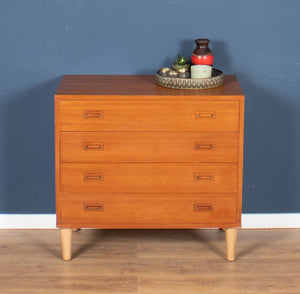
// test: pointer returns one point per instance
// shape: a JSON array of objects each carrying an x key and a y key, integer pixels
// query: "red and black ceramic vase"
[{"x": 202, "y": 54}]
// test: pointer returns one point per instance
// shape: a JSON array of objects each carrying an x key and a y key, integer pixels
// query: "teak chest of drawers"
[{"x": 130, "y": 154}]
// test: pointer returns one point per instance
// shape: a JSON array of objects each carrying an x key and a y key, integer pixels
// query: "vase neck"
[
  {"x": 202, "y": 46},
  {"x": 202, "y": 43}
]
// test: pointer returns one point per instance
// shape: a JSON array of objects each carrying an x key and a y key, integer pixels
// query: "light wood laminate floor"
[{"x": 150, "y": 261}]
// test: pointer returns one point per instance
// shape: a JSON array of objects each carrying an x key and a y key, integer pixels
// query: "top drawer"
[{"x": 100, "y": 115}]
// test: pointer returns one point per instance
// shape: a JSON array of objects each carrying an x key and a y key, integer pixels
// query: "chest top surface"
[{"x": 136, "y": 86}]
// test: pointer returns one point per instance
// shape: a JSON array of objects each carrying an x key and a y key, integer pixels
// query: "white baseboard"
[
  {"x": 270, "y": 220},
  {"x": 27, "y": 221},
  {"x": 249, "y": 221}
]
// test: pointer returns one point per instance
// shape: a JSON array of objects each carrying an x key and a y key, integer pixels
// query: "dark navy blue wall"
[{"x": 40, "y": 40}]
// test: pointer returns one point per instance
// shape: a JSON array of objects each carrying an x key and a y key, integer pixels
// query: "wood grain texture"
[
  {"x": 137, "y": 87},
  {"x": 149, "y": 147},
  {"x": 122, "y": 140},
  {"x": 163, "y": 115},
  {"x": 66, "y": 243},
  {"x": 57, "y": 158},
  {"x": 231, "y": 238},
  {"x": 241, "y": 160},
  {"x": 97, "y": 178},
  {"x": 150, "y": 261},
  {"x": 142, "y": 211}
]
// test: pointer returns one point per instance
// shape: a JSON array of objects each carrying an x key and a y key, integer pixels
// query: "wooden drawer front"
[
  {"x": 149, "y": 146},
  {"x": 92, "y": 178},
  {"x": 148, "y": 115},
  {"x": 134, "y": 210}
]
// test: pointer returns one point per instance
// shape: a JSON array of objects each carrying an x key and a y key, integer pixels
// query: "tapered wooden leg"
[
  {"x": 231, "y": 236},
  {"x": 66, "y": 243},
  {"x": 75, "y": 229}
]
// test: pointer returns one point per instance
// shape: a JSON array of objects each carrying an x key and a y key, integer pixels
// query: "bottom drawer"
[{"x": 144, "y": 211}]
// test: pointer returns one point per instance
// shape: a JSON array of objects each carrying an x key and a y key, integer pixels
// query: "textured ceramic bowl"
[{"x": 214, "y": 81}]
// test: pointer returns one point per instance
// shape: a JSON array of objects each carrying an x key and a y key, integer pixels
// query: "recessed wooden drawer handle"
[
  {"x": 203, "y": 207},
  {"x": 199, "y": 146},
  {"x": 204, "y": 177},
  {"x": 92, "y": 177},
  {"x": 200, "y": 115},
  {"x": 92, "y": 146},
  {"x": 93, "y": 207},
  {"x": 93, "y": 114}
]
